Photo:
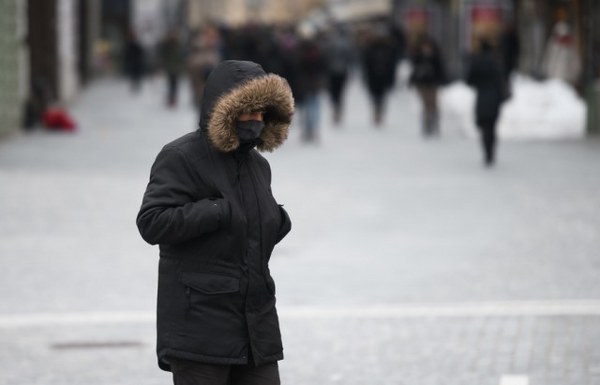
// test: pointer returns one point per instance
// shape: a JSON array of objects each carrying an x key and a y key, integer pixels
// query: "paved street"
[{"x": 408, "y": 263}]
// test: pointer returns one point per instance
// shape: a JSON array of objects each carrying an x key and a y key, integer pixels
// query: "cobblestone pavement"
[
  {"x": 383, "y": 220},
  {"x": 351, "y": 350}
]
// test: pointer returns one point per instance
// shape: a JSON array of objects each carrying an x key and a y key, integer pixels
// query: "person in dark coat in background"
[
  {"x": 486, "y": 75},
  {"x": 511, "y": 51},
  {"x": 171, "y": 57},
  {"x": 379, "y": 66},
  {"x": 289, "y": 50},
  {"x": 311, "y": 78},
  {"x": 134, "y": 61},
  {"x": 427, "y": 75},
  {"x": 209, "y": 207},
  {"x": 399, "y": 37},
  {"x": 203, "y": 55},
  {"x": 339, "y": 55}
]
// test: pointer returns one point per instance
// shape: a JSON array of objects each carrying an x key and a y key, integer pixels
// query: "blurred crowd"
[
  {"x": 311, "y": 59},
  {"x": 321, "y": 60}
]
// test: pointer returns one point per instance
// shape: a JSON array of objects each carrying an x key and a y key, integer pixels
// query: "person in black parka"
[
  {"x": 134, "y": 61},
  {"x": 339, "y": 55},
  {"x": 209, "y": 207},
  {"x": 486, "y": 75},
  {"x": 427, "y": 76},
  {"x": 379, "y": 66}
]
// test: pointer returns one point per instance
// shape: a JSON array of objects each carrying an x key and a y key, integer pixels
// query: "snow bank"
[{"x": 537, "y": 110}]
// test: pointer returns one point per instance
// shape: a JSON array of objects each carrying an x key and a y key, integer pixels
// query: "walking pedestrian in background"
[
  {"x": 311, "y": 76},
  {"x": 561, "y": 59},
  {"x": 428, "y": 74},
  {"x": 379, "y": 66},
  {"x": 511, "y": 50},
  {"x": 209, "y": 207},
  {"x": 134, "y": 61},
  {"x": 204, "y": 55},
  {"x": 486, "y": 75},
  {"x": 339, "y": 57},
  {"x": 289, "y": 50},
  {"x": 171, "y": 58}
]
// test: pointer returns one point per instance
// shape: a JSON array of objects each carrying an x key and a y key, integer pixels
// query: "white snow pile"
[{"x": 536, "y": 110}]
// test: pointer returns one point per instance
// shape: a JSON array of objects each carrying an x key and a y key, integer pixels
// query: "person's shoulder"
[
  {"x": 184, "y": 143},
  {"x": 190, "y": 149},
  {"x": 185, "y": 146}
]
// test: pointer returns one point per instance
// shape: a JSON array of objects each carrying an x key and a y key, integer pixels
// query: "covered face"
[{"x": 238, "y": 88}]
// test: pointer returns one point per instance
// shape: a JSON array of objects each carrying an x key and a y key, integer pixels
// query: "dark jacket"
[
  {"x": 379, "y": 65},
  {"x": 312, "y": 68},
  {"x": 171, "y": 55},
  {"x": 486, "y": 76},
  {"x": 210, "y": 209},
  {"x": 427, "y": 70},
  {"x": 134, "y": 59}
]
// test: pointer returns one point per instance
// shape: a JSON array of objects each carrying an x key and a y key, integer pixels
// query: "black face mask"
[{"x": 249, "y": 131}]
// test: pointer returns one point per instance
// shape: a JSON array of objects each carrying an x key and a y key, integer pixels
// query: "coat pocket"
[
  {"x": 214, "y": 322},
  {"x": 210, "y": 283}
]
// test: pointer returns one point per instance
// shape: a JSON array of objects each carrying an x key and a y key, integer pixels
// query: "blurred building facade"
[
  {"x": 348, "y": 10},
  {"x": 455, "y": 24},
  {"x": 458, "y": 23},
  {"x": 12, "y": 62},
  {"x": 238, "y": 12},
  {"x": 46, "y": 56},
  {"x": 60, "y": 42},
  {"x": 52, "y": 48}
]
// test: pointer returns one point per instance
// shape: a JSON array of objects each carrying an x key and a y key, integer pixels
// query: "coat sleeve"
[
  {"x": 170, "y": 211},
  {"x": 286, "y": 224}
]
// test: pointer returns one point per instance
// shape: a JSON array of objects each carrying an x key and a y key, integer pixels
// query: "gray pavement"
[{"x": 383, "y": 220}]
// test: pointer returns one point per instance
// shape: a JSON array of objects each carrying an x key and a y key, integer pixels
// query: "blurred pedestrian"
[
  {"x": 561, "y": 60},
  {"x": 339, "y": 57},
  {"x": 485, "y": 74},
  {"x": 209, "y": 207},
  {"x": 171, "y": 59},
  {"x": 289, "y": 48},
  {"x": 399, "y": 37},
  {"x": 269, "y": 51},
  {"x": 134, "y": 61},
  {"x": 428, "y": 74},
  {"x": 379, "y": 66},
  {"x": 311, "y": 77},
  {"x": 204, "y": 55},
  {"x": 511, "y": 51}
]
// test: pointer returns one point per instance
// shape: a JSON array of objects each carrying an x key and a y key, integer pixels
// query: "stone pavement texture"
[{"x": 380, "y": 216}]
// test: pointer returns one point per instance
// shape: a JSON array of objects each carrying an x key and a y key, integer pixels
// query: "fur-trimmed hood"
[{"x": 237, "y": 87}]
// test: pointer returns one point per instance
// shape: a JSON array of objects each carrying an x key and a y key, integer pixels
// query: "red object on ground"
[{"x": 58, "y": 119}]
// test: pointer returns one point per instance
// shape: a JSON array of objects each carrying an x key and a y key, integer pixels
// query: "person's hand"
[{"x": 223, "y": 207}]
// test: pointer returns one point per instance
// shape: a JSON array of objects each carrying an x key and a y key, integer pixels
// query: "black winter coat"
[
  {"x": 209, "y": 207},
  {"x": 379, "y": 65},
  {"x": 428, "y": 70},
  {"x": 486, "y": 76}
]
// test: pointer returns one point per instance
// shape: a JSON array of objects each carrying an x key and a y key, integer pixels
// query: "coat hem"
[{"x": 163, "y": 359}]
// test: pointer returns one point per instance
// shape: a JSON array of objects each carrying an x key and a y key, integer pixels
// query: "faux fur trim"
[{"x": 270, "y": 93}]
